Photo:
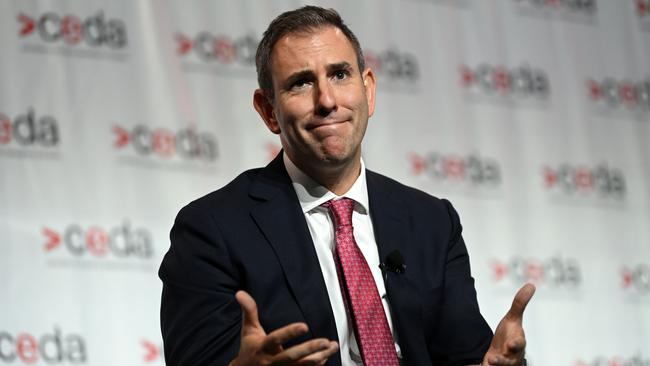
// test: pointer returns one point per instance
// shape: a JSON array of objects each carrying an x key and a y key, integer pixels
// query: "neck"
[{"x": 338, "y": 178}]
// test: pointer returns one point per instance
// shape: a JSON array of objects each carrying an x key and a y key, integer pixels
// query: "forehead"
[{"x": 310, "y": 49}]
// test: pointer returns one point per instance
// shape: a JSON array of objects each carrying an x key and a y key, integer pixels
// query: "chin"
[{"x": 336, "y": 157}]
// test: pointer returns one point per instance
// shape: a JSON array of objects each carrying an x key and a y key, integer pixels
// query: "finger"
[
  {"x": 282, "y": 335},
  {"x": 248, "y": 309},
  {"x": 320, "y": 357},
  {"x": 520, "y": 301},
  {"x": 311, "y": 352},
  {"x": 503, "y": 361},
  {"x": 516, "y": 346}
]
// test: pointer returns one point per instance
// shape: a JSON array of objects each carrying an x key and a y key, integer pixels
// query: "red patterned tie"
[{"x": 370, "y": 325}]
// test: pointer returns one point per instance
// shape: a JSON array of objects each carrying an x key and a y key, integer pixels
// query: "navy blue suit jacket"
[{"x": 252, "y": 235}]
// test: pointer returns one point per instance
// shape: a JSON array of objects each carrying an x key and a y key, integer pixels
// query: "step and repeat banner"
[{"x": 531, "y": 116}]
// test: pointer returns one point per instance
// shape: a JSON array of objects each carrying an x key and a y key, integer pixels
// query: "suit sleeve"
[
  {"x": 462, "y": 336},
  {"x": 199, "y": 315}
]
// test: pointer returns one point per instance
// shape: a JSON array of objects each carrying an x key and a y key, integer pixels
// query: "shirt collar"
[{"x": 311, "y": 194}]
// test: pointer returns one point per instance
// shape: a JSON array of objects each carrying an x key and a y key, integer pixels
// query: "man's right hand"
[{"x": 259, "y": 348}]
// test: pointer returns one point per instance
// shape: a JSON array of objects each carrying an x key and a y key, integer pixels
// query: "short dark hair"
[{"x": 302, "y": 20}]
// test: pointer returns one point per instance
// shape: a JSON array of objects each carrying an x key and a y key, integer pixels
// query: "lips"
[{"x": 314, "y": 125}]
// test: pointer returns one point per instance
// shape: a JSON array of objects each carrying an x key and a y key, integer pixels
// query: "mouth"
[{"x": 325, "y": 123}]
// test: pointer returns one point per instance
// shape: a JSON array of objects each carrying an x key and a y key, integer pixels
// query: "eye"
[
  {"x": 341, "y": 74},
  {"x": 299, "y": 84}
]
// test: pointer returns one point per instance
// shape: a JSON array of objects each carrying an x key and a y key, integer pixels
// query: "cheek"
[
  {"x": 298, "y": 106},
  {"x": 291, "y": 118},
  {"x": 355, "y": 98}
]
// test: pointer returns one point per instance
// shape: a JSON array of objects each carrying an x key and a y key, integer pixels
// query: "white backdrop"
[{"x": 532, "y": 116}]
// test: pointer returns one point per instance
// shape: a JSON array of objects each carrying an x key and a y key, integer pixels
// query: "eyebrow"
[
  {"x": 300, "y": 75},
  {"x": 343, "y": 65},
  {"x": 309, "y": 74}
]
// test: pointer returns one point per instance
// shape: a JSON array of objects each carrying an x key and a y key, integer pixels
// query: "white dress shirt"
[{"x": 311, "y": 196}]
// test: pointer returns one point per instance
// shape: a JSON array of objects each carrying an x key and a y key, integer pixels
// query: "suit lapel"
[
  {"x": 390, "y": 222},
  {"x": 279, "y": 216}
]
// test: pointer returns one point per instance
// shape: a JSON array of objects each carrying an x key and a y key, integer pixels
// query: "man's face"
[{"x": 321, "y": 100}]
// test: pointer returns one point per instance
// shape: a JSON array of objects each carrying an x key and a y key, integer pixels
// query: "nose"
[{"x": 325, "y": 99}]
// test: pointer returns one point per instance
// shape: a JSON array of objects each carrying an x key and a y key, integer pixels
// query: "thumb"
[
  {"x": 520, "y": 302},
  {"x": 248, "y": 309}
]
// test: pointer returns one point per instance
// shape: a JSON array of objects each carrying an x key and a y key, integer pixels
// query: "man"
[{"x": 313, "y": 259}]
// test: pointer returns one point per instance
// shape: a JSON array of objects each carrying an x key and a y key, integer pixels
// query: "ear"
[
  {"x": 264, "y": 107},
  {"x": 370, "y": 85}
]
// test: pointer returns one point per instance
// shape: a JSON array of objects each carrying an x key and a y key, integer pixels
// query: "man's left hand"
[{"x": 509, "y": 342}]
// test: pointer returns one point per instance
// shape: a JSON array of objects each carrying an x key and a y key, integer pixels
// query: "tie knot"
[{"x": 341, "y": 210}]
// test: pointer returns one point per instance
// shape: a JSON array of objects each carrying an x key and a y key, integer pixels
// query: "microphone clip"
[{"x": 394, "y": 262}]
